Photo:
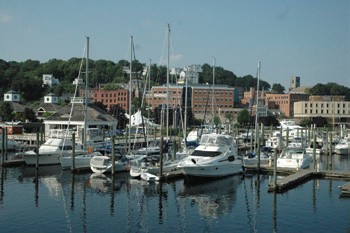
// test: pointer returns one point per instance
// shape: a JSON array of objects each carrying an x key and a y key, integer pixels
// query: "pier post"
[
  {"x": 314, "y": 151},
  {"x": 42, "y": 135},
  {"x": 6, "y": 142},
  {"x": 280, "y": 146},
  {"x": 37, "y": 150},
  {"x": 258, "y": 150},
  {"x": 113, "y": 154},
  {"x": 330, "y": 151},
  {"x": 3, "y": 147},
  {"x": 251, "y": 140},
  {"x": 73, "y": 152},
  {"x": 275, "y": 168},
  {"x": 327, "y": 142},
  {"x": 161, "y": 159},
  {"x": 262, "y": 141}
]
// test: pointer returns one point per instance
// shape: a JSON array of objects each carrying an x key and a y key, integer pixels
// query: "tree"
[
  {"x": 269, "y": 120},
  {"x": 119, "y": 113},
  {"x": 243, "y": 117},
  {"x": 27, "y": 115},
  {"x": 217, "y": 121},
  {"x": 6, "y": 111},
  {"x": 278, "y": 88}
]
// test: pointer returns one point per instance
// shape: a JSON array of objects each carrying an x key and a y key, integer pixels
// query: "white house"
[
  {"x": 48, "y": 79},
  {"x": 11, "y": 96}
]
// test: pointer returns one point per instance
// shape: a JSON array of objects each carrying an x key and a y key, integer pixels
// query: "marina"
[{"x": 48, "y": 196}]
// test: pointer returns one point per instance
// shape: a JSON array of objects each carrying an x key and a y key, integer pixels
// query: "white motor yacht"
[
  {"x": 294, "y": 157},
  {"x": 343, "y": 147},
  {"x": 216, "y": 156},
  {"x": 51, "y": 151},
  {"x": 82, "y": 160}
]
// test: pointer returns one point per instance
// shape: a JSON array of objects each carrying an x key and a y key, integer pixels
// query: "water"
[{"x": 62, "y": 202}]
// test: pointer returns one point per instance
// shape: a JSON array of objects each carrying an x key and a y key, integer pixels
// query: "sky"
[{"x": 309, "y": 39}]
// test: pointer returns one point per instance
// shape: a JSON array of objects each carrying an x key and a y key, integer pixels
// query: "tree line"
[{"x": 24, "y": 77}]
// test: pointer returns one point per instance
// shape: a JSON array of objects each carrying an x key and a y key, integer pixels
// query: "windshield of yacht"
[
  {"x": 216, "y": 139},
  {"x": 204, "y": 153},
  {"x": 291, "y": 151}
]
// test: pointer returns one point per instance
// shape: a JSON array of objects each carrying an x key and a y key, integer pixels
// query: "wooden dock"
[
  {"x": 287, "y": 182},
  {"x": 294, "y": 177}
]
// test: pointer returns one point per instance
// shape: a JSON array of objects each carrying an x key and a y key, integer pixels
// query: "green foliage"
[
  {"x": 217, "y": 120},
  {"x": 330, "y": 89},
  {"x": 27, "y": 115},
  {"x": 243, "y": 117},
  {"x": 6, "y": 111},
  {"x": 269, "y": 120},
  {"x": 278, "y": 88},
  {"x": 111, "y": 86},
  {"x": 119, "y": 113}
]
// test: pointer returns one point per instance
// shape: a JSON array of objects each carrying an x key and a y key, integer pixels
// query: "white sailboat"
[
  {"x": 81, "y": 158},
  {"x": 252, "y": 158}
]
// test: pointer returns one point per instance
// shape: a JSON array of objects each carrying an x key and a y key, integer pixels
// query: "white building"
[
  {"x": 11, "y": 96},
  {"x": 48, "y": 79}
]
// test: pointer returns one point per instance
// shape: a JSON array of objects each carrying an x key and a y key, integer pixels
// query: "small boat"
[
  {"x": 149, "y": 177},
  {"x": 343, "y": 147},
  {"x": 251, "y": 159},
  {"x": 12, "y": 144},
  {"x": 216, "y": 156},
  {"x": 294, "y": 157},
  {"x": 103, "y": 164}
]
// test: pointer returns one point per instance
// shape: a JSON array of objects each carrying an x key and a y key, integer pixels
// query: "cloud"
[{"x": 5, "y": 17}]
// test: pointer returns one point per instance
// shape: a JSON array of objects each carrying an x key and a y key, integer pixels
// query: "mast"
[
  {"x": 257, "y": 103},
  {"x": 86, "y": 91},
  {"x": 130, "y": 92},
  {"x": 167, "y": 87},
  {"x": 213, "y": 94},
  {"x": 185, "y": 120},
  {"x": 148, "y": 96}
]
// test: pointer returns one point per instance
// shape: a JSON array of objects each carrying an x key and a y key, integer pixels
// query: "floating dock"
[{"x": 294, "y": 177}]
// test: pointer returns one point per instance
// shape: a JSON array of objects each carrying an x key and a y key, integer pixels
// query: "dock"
[
  {"x": 287, "y": 182},
  {"x": 293, "y": 177}
]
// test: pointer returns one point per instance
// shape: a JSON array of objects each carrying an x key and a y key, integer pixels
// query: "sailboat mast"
[
  {"x": 86, "y": 91},
  {"x": 148, "y": 96},
  {"x": 257, "y": 102},
  {"x": 130, "y": 92},
  {"x": 185, "y": 120},
  {"x": 213, "y": 94},
  {"x": 167, "y": 86}
]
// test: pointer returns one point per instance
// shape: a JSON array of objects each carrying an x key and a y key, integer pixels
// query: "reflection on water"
[
  {"x": 49, "y": 198},
  {"x": 214, "y": 198}
]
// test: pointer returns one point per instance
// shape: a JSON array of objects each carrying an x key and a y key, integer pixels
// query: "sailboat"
[
  {"x": 104, "y": 164},
  {"x": 81, "y": 158},
  {"x": 252, "y": 158}
]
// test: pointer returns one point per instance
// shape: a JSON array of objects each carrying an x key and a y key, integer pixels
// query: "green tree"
[
  {"x": 119, "y": 113},
  {"x": 278, "y": 88},
  {"x": 243, "y": 117},
  {"x": 6, "y": 111},
  {"x": 27, "y": 115}
]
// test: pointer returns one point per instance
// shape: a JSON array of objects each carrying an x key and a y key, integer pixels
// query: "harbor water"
[{"x": 52, "y": 200}]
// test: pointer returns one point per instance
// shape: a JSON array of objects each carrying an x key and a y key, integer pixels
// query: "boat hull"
[
  {"x": 212, "y": 170},
  {"x": 103, "y": 164},
  {"x": 30, "y": 158}
]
